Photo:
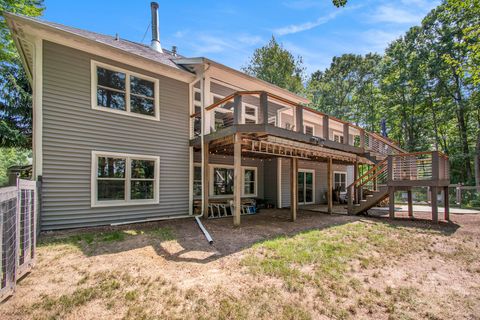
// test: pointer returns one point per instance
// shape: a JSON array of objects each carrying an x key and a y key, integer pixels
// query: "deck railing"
[
  {"x": 406, "y": 169},
  {"x": 260, "y": 107}
]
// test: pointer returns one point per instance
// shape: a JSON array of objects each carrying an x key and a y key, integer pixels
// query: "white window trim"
[
  {"x": 212, "y": 167},
  {"x": 340, "y": 137},
  {"x": 127, "y": 202},
  {"x": 311, "y": 126},
  {"x": 340, "y": 172},
  {"x": 312, "y": 171},
  {"x": 249, "y": 117},
  {"x": 128, "y": 73}
]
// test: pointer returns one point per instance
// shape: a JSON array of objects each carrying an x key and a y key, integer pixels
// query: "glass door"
[{"x": 306, "y": 187}]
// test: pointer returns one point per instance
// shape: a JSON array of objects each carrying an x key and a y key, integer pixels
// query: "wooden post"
[
  {"x": 434, "y": 204},
  {"x": 294, "y": 189},
  {"x": 391, "y": 201},
  {"x": 237, "y": 109},
  {"x": 206, "y": 179},
  {"x": 330, "y": 185},
  {"x": 446, "y": 203},
  {"x": 263, "y": 111},
  {"x": 326, "y": 128},
  {"x": 346, "y": 133},
  {"x": 355, "y": 177},
  {"x": 410, "y": 203},
  {"x": 459, "y": 194},
  {"x": 237, "y": 178},
  {"x": 362, "y": 138},
  {"x": 299, "y": 119}
]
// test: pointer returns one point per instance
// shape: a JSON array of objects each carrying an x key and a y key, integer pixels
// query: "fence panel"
[{"x": 18, "y": 212}]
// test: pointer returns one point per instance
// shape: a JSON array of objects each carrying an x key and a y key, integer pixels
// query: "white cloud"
[
  {"x": 295, "y": 28},
  {"x": 394, "y": 14},
  {"x": 377, "y": 40}
]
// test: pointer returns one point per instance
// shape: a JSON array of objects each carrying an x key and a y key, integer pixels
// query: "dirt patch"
[{"x": 319, "y": 267}]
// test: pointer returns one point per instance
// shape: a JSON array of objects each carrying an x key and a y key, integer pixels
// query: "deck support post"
[
  {"x": 434, "y": 202},
  {"x": 326, "y": 127},
  {"x": 237, "y": 178},
  {"x": 355, "y": 193},
  {"x": 206, "y": 179},
  {"x": 446, "y": 203},
  {"x": 410, "y": 203},
  {"x": 330, "y": 185},
  {"x": 299, "y": 119},
  {"x": 263, "y": 110},
  {"x": 391, "y": 202},
  {"x": 294, "y": 189}
]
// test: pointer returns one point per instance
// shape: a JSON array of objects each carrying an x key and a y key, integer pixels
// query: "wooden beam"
[
  {"x": 294, "y": 189},
  {"x": 206, "y": 179},
  {"x": 446, "y": 203},
  {"x": 410, "y": 203},
  {"x": 330, "y": 185},
  {"x": 434, "y": 203},
  {"x": 391, "y": 202},
  {"x": 237, "y": 179}
]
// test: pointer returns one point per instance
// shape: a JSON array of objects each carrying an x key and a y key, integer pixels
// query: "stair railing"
[{"x": 372, "y": 180}]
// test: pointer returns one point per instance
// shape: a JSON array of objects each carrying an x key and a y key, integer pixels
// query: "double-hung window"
[
  {"x": 340, "y": 180},
  {"x": 122, "y": 91},
  {"x": 250, "y": 114},
  {"x": 222, "y": 183},
  {"x": 120, "y": 179}
]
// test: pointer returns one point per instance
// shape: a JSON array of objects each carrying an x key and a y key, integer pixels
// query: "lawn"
[{"x": 321, "y": 267}]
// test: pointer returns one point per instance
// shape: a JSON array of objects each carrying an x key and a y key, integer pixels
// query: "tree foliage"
[
  {"x": 15, "y": 91},
  {"x": 276, "y": 65},
  {"x": 425, "y": 87}
]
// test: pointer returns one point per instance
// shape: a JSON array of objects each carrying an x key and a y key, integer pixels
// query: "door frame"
[{"x": 312, "y": 171}]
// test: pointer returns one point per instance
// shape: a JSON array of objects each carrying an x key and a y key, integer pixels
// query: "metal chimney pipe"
[{"x": 155, "y": 45}]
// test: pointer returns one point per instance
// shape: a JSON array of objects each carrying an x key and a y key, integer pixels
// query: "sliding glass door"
[{"x": 306, "y": 186}]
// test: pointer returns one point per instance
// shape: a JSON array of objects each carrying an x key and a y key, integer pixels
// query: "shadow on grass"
[{"x": 182, "y": 240}]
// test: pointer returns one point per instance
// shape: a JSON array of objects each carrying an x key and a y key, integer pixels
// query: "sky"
[{"x": 229, "y": 31}]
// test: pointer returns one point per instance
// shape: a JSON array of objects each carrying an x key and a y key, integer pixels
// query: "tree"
[
  {"x": 15, "y": 91},
  {"x": 278, "y": 66}
]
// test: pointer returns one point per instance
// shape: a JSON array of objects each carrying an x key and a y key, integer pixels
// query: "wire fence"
[
  {"x": 459, "y": 196},
  {"x": 18, "y": 212}
]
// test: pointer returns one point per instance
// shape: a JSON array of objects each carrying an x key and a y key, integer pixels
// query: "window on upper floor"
[
  {"x": 122, "y": 91},
  {"x": 309, "y": 130}
]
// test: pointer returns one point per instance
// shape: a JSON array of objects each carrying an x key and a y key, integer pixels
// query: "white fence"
[{"x": 18, "y": 217}]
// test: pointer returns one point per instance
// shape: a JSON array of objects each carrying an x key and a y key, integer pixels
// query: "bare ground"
[{"x": 345, "y": 267}]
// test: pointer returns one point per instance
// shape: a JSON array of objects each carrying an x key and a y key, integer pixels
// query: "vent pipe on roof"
[{"x": 155, "y": 45}]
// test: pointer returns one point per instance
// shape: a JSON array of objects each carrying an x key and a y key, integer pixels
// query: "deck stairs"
[{"x": 397, "y": 172}]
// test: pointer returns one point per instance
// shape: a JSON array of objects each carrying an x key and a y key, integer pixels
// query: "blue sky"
[{"x": 229, "y": 31}]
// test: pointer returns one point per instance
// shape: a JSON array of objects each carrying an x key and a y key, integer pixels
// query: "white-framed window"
[
  {"x": 250, "y": 114},
  {"x": 249, "y": 181},
  {"x": 222, "y": 181},
  {"x": 338, "y": 137},
  {"x": 309, "y": 130},
  {"x": 197, "y": 180},
  {"x": 125, "y": 92},
  {"x": 124, "y": 179},
  {"x": 223, "y": 114},
  {"x": 340, "y": 180}
]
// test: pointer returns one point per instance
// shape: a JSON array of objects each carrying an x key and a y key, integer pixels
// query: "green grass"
[
  {"x": 89, "y": 240},
  {"x": 318, "y": 256}
]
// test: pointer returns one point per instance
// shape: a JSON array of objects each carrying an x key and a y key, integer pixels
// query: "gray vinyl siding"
[
  {"x": 72, "y": 129},
  {"x": 320, "y": 178}
]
